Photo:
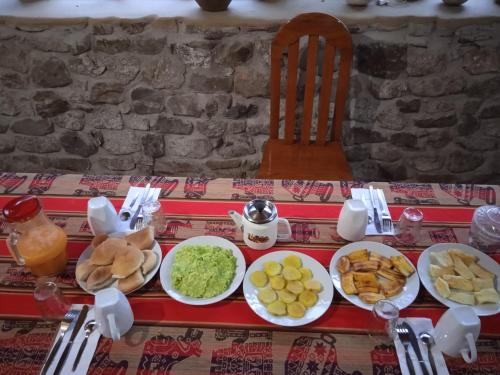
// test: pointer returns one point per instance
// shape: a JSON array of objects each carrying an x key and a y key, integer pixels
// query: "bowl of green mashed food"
[{"x": 202, "y": 270}]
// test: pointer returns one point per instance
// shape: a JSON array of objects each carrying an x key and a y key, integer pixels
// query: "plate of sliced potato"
[
  {"x": 456, "y": 274},
  {"x": 288, "y": 288},
  {"x": 366, "y": 272}
]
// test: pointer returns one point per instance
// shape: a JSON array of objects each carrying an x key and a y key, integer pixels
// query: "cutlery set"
[
  {"x": 136, "y": 217},
  {"x": 73, "y": 321},
  {"x": 409, "y": 339}
]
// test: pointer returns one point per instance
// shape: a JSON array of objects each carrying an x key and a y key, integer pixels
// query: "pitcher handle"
[
  {"x": 288, "y": 234},
  {"x": 115, "y": 333},
  {"x": 12, "y": 246},
  {"x": 472, "y": 347}
]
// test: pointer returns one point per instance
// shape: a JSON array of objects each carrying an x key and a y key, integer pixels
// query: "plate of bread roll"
[
  {"x": 126, "y": 261},
  {"x": 456, "y": 274}
]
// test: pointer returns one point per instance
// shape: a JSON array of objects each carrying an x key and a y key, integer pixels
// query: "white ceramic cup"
[
  {"x": 113, "y": 314},
  {"x": 456, "y": 333},
  {"x": 353, "y": 220},
  {"x": 101, "y": 216}
]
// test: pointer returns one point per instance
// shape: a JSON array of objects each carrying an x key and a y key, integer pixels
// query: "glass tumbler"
[
  {"x": 382, "y": 325},
  {"x": 410, "y": 223},
  {"x": 50, "y": 301},
  {"x": 153, "y": 215}
]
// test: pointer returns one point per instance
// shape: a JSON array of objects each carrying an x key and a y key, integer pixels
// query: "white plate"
[
  {"x": 312, "y": 313},
  {"x": 401, "y": 300},
  {"x": 166, "y": 269},
  {"x": 88, "y": 252},
  {"x": 483, "y": 260}
]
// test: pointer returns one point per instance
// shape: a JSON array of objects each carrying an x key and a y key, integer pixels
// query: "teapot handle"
[{"x": 12, "y": 246}]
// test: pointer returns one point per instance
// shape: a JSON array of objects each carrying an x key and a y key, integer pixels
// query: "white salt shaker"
[{"x": 101, "y": 216}]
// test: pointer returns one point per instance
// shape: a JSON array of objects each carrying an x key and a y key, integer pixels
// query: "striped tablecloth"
[{"x": 227, "y": 337}]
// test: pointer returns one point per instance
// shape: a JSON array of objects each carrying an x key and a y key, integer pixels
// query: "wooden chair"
[{"x": 301, "y": 158}]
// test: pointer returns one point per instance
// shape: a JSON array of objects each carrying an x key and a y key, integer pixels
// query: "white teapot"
[{"x": 259, "y": 224}]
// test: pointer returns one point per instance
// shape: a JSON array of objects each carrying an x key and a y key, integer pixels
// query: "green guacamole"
[{"x": 203, "y": 271}]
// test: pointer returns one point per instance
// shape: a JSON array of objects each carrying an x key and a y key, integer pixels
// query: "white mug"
[
  {"x": 353, "y": 220},
  {"x": 101, "y": 216},
  {"x": 260, "y": 224},
  {"x": 113, "y": 314},
  {"x": 456, "y": 333}
]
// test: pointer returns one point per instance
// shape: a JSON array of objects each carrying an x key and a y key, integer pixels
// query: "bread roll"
[
  {"x": 143, "y": 239},
  {"x": 84, "y": 269},
  {"x": 131, "y": 282},
  {"x": 97, "y": 240},
  {"x": 99, "y": 278},
  {"x": 127, "y": 262},
  {"x": 149, "y": 261},
  {"x": 104, "y": 254}
]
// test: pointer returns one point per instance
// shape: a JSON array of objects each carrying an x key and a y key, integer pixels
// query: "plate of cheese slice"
[
  {"x": 456, "y": 275},
  {"x": 126, "y": 261}
]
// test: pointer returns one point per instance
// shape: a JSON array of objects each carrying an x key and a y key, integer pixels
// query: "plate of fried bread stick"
[{"x": 366, "y": 272}]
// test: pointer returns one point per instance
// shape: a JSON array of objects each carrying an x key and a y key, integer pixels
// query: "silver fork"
[
  {"x": 386, "y": 218},
  {"x": 69, "y": 317},
  {"x": 404, "y": 337},
  {"x": 138, "y": 223}
]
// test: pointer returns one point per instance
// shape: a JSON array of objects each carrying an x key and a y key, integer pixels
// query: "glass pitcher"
[{"x": 34, "y": 241}]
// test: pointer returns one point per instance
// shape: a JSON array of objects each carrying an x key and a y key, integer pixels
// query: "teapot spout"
[{"x": 236, "y": 218}]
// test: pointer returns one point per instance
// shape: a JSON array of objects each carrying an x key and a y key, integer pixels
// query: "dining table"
[{"x": 227, "y": 337}]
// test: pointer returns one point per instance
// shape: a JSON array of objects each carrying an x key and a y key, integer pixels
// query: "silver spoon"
[
  {"x": 89, "y": 327},
  {"x": 428, "y": 341},
  {"x": 125, "y": 214}
]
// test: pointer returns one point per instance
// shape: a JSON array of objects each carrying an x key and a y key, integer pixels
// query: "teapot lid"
[
  {"x": 21, "y": 209},
  {"x": 260, "y": 211}
]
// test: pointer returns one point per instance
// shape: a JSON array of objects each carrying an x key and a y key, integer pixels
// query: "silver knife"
[
  {"x": 141, "y": 203},
  {"x": 416, "y": 348},
  {"x": 376, "y": 217},
  {"x": 76, "y": 328}
]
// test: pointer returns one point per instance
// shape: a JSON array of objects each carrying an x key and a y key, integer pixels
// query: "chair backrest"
[{"x": 337, "y": 37}]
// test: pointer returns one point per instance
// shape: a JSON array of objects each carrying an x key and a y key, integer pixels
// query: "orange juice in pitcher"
[{"x": 35, "y": 242}]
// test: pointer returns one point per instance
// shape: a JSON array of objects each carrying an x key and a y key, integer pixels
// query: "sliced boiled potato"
[
  {"x": 272, "y": 268},
  {"x": 480, "y": 284},
  {"x": 461, "y": 268},
  {"x": 292, "y": 261},
  {"x": 286, "y": 296},
  {"x": 480, "y": 271},
  {"x": 258, "y": 278},
  {"x": 308, "y": 298},
  {"x": 296, "y": 310},
  {"x": 277, "y": 282},
  {"x": 438, "y": 271},
  {"x": 468, "y": 259},
  {"x": 489, "y": 295},
  {"x": 267, "y": 296},
  {"x": 313, "y": 285},
  {"x": 459, "y": 282},
  {"x": 306, "y": 274},
  {"x": 295, "y": 286},
  {"x": 442, "y": 259},
  {"x": 462, "y": 297},
  {"x": 277, "y": 308},
  {"x": 442, "y": 287},
  {"x": 291, "y": 273}
]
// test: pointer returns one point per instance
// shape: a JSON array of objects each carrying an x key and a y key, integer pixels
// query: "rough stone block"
[
  {"x": 49, "y": 104},
  {"x": 173, "y": 125},
  {"x": 236, "y": 145},
  {"x": 13, "y": 81},
  {"x": 212, "y": 32},
  {"x": 133, "y": 26},
  {"x": 194, "y": 147},
  {"x": 65, "y": 165},
  {"x": 490, "y": 111},
  {"x": 223, "y": 163},
  {"x": 438, "y": 107},
  {"x": 360, "y": 135},
  {"x": 106, "y": 93},
  {"x": 356, "y": 153},
  {"x": 250, "y": 81},
  {"x": 121, "y": 142},
  {"x": 482, "y": 60},
  {"x": 196, "y": 53},
  {"x": 241, "y": 111},
  {"x": 32, "y": 127},
  {"x": 434, "y": 139},
  {"x": 478, "y": 143},
  {"x": 14, "y": 56},
  {"x": 422, "y": 62},
  {"x": 404, "y": 139},
  {"x": 50, "y": 73},
  {"x": 111, "y": 44},
  {"x": 366, "y": 170},
  {"x": 484, "y": 88},
  {"x": 436, "y": 122},
  {"x": 382, "y": 60},
  {"x": 491, "y": 127},
  {"x": 409, "y": 106},
  {"x": 213, "y": 79},
  {"x": 471, "y": 106},
  {"x": 79, "y": 143},
  {"x": 87, "y": 65},
  {"x": 26, "y": 163},
  {"x": 468, "y": 125},
  {"x": 474, "y": 33},
  {"x": 7, "y": 145},
  {"x": 461, "y": 161},
  {"x": 146, "y": 101},
  {"x": 71, "y": 120},
  {"x": 149, "y": 44},
  {"x": 427, "y": 163},
  {"x": 186, "y": 105},
  {"x": 384, "y": 152},
  {"x": 420, "y": 29},
  {"x": 103, "y": 29},
  {"x": 38, "y": 145},
  {"x": 390, "y": 118},
  {"x": 4, "y": 125},
  {"x": 386, "y": 89},
  {"x": 362, "y": 109},
  {"x": 177, "y": 167},
  {"x": 122, "y": 164},
  {"x": 106, "y": 117},
  {"x": 445, "y": 84},
  {"x": 8, "y": 105},
  {"x": 122, "y": 68},
  {"x": 234, "y": 54},
  {"x": 153, "y": 145},
  {"x": 166, "y": 72},
  {"x": 211, "y": 129}
]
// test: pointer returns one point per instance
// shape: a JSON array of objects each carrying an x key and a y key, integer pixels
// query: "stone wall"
[{"x": 154, "y": 97}]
